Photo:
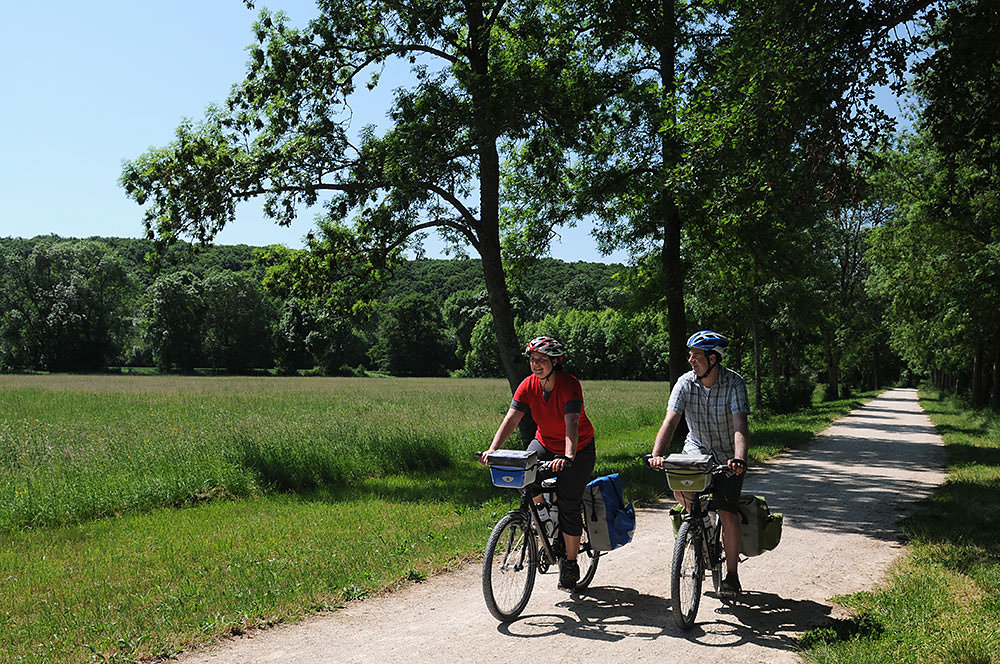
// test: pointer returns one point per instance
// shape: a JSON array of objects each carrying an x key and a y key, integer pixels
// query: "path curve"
[{"x": 842, "y": 496}]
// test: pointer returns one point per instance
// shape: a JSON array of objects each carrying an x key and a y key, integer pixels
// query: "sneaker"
[
  {"x": 569, "y": 574},
  {"x": 730, "y": 585}
]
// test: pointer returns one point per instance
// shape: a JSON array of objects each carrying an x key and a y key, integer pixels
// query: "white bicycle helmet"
[{"x": 546, "y": 346}]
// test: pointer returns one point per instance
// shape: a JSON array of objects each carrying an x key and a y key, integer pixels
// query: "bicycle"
[
  {"x": 527, "y": 541},
  {"x": 698, "y": 544}
]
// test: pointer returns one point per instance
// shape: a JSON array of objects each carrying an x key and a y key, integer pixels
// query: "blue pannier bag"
[{"x": 610, "y": 522}]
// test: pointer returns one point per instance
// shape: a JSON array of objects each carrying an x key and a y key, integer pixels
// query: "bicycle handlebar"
[
  {"x": 542, "y": 465},
  {"x": 716, "y": 469}
]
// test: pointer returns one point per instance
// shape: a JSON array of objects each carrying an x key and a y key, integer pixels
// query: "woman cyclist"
[{"x": 564, "y": 436}]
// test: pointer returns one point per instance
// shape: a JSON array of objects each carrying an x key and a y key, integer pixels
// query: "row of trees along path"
[{"x": 842, "y": 496}]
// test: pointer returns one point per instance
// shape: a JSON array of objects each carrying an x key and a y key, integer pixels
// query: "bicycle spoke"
[
  {"x": 508, "y": 568},
  {"x": 686, "y": 575}
]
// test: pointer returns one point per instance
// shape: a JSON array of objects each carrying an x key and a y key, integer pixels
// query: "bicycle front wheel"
[
  {"x": 686, "y": 575},
  {"x": 587, "y": 559},
  {"x": 509, "y": 567}
]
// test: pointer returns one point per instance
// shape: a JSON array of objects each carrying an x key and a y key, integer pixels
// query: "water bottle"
[
  {"x": 708, "y": 521},
  {"x": 549, "y": 518}
]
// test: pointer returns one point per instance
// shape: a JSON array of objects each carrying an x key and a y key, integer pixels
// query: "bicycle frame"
[{"x": 709, "y": 554}]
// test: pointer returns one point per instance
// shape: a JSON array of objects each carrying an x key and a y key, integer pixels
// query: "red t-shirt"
[{"x": 549, "y": 414}]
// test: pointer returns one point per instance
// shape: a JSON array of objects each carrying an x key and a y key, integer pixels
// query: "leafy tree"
[
  {"x": 937, "y": 268},
  {"x": 410, "y": 338},
  {"x": 936, "y": 262},
  {"x": 490, "y": 80},
  {"x": 338, "y": 347},
  {"x": 175, "y": 321},
  {"x": 64, "y": 306},
  {"x": 483, "y": 360},
  {"x": 607, "y": 344},
  {"x": 461, "y": 311},
  {"x": 295, "y": 323},
  {"x": 238, "y": 322},
  {"x": 720, "y": 111}
]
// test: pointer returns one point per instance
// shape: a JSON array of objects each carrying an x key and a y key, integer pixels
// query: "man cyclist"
[
  {"x": 713, "y": 400},
  {"x": 564, "y": 436}
]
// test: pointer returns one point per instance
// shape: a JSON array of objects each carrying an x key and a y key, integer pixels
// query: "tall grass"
[
  {"x": 141, "y": 515},
  {"x": 111, "y": 446}
]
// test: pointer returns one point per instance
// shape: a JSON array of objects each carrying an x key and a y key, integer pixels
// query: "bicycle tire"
[
  {"x": 686, "y": 575},
  {"x": 587, "y": 559},
  {"x": 509, "y": 566}
]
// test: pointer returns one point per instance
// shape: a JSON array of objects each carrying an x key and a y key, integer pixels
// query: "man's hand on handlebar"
[{"x": 737, "y": 466}]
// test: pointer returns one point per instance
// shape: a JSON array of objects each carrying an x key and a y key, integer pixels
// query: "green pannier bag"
[
  {"x": 761, "y": 527},
  {"x": 677, "y": 514}
]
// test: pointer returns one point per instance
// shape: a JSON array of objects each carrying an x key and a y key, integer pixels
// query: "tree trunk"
[
  {"x": 674, "y": 275},
  {"x": 755, "y": 320},
  {"x": 670, "y": 252},
  {"x": 772, "y": 346},
  {"x": 875, "y": 373},
  {"x": 978, "y": 376},
  {"x": 832, "y": 365},
  {"x": 488, "y": 232},
  {"x": 995, "y": 390},
  {"x": 508, "y": 345}
]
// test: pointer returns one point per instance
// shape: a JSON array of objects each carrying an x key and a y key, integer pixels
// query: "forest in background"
[{"x": 101, "y": 304}]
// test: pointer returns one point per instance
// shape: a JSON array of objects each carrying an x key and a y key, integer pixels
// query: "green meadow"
[{"x": 142, "y": 515}]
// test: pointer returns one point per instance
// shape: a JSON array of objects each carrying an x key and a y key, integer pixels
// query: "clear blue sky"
[{"x": 86, "y": 85}]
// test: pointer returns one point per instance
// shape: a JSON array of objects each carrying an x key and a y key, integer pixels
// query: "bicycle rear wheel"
[
  {"x": 509, "y": 567},
  {"x": 587, "y": 559},
  {"x": 686, "y": 575}
]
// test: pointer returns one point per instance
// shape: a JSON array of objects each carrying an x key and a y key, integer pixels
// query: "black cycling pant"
[{"x": 569, "y": 488}]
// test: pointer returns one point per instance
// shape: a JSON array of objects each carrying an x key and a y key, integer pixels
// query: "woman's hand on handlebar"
[{"x": 560, "y": 463}]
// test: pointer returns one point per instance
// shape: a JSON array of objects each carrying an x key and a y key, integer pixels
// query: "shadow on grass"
[
  {"x": 961, "y": 513},
  {"x": 466, "y": 485},
  {"x": 862, "y": 626},
  {"x": 961, "y": 454}
]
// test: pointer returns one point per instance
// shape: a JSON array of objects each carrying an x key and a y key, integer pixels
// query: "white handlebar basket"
[{"x": 513, "y": 469}]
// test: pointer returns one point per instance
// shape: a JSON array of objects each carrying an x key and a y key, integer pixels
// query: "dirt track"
[{"x": 842, "y": 496}]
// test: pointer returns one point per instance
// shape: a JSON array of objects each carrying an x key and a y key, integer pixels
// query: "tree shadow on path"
[{"x": 861, "y": 477}]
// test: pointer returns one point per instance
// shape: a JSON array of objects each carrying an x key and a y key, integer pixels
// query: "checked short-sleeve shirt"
[{"x": 709, "y": 412}]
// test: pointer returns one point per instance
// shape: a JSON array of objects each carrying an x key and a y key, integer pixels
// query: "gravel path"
[{"x": 842, "y": 496}]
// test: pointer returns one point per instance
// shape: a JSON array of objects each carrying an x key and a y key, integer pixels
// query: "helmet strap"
[
  {"x": 708, "y": 358},
  {"x": 551, "y": 371},
  {"x": 552, "y": 361}
]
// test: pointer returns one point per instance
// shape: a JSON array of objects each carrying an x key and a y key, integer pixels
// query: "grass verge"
[
  {"x": 140, "y": 516},
  {"x": 941, "y": 602}
]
